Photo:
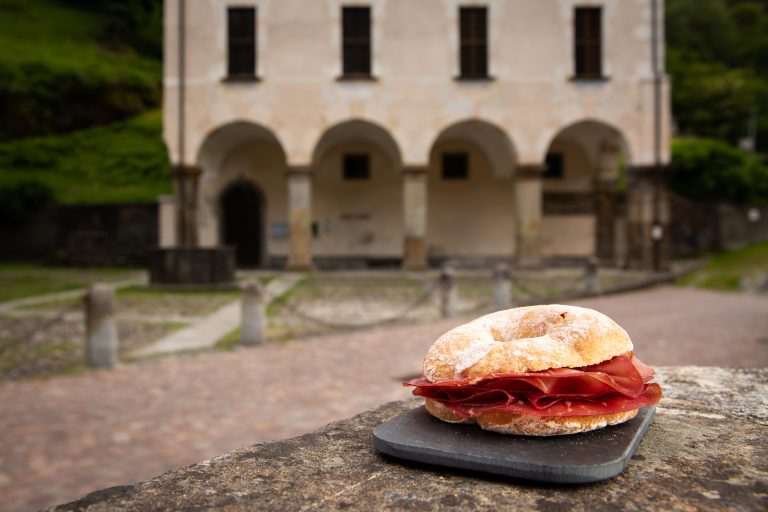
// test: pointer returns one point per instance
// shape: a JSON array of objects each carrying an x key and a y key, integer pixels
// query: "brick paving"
[{"x": 64, "y": 437}]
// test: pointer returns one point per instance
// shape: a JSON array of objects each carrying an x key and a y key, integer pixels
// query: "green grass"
[
  {"x": 122, "y": 162},
  {"x": 278, "y": 302},
  {"x": 19, "y": 280},
  {"x": 726, "y": 270},
  {"x": 230, "y": 340}
]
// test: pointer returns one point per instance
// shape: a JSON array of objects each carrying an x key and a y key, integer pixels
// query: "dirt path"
[{"x": 64, "y": 437}]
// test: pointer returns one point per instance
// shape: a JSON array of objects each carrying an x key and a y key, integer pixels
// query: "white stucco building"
[{"x": 414, "y": 131}]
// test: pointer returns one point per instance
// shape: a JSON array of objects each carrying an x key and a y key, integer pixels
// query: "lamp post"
[{"x": 657, "y": 229}]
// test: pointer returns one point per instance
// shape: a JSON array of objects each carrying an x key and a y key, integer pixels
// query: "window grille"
[
  {"x": 473, "y": 45},
  {"x": 241, "y": 41},
  {"x": 588, "y": 42},
  {"x": 357, "y": 166},
  {"x": 356, "y": 41},
  {"x": 455, "y": 166}
]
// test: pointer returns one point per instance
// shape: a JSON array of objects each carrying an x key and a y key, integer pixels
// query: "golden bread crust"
[
  {"x": 520, "y": 424},
  {"x": 527, "y": 339}
]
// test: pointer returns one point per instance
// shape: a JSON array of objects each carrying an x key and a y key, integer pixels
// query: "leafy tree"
[
  {"x": 135, "y": 23},
  {"x": 717, "y": 55},
  {"x": 711, "y": 170}
]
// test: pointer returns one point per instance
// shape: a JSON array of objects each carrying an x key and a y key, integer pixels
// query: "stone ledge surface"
[{"x": 706, "y": 449}]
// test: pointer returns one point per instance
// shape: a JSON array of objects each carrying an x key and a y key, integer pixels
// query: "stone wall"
[
  {"x": 101, "y": 235},
  {"x": 698, "y": 227}
]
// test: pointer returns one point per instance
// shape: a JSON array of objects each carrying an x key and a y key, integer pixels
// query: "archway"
[
  {"x": 357, "y": 195},
  {"x": 242, "y": 222},
  {"x": 584, "y": 212},
  {"x": 471, "y": 206},
  {"x": 245, "y": 153}
]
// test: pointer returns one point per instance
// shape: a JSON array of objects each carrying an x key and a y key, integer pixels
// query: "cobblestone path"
[{"x": 64, "y": 437}]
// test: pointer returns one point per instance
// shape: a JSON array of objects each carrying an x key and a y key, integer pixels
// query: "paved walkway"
[
  {"x": 207, "y": 331},
  {"x": 64, "y": 437},
  {"x": 11, "y": 305}
]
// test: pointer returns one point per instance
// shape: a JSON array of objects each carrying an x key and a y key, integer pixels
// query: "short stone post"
[
  {"x": 591, "y": 282},
  {"x": 447, "y": 292},
  {"x": 502, "y": 291},
  {"x": 101, "y": 331},
  {"x": 253, "y": 323}
]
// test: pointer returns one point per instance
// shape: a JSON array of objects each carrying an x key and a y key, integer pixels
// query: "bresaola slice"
[{"x": 616, "y": 385}]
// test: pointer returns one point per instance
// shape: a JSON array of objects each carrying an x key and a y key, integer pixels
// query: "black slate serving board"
[{"x": 574, "y": 459}]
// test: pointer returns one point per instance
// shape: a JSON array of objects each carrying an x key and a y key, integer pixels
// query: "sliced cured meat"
[{"x": 617, "y": 385}]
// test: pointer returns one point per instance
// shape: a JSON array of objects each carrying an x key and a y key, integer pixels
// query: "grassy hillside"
[
  {"x": 79, "y": 118},
  {"x": 727, "y": 270},
  {"x": 59, "y": 71},
  {"x": 121, "y": 162}
]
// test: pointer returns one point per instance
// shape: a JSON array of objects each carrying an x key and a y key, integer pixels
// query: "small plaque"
[
  {"x": 601, "y": 454},
  {"x": 278, "y": 229}
]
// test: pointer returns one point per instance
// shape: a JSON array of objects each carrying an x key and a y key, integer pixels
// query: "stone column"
[
  {"x": 300, "y": 218},
  {"x": 528, "y": 202},
  {"x": 167, "y": 226},
  {"x": 186, "y": 181},
  {"x": 647, "y": 229},
  {"x": 415, "y": 217}
]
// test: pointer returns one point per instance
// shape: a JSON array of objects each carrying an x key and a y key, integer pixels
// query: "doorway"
[{"x": 242, "y": 222}]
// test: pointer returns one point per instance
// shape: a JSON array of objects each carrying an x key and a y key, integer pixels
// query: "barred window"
[
  {"x": 241, "y": 23},
  {"x": 356, "y": 41},
  {"x": 588, "y": 42},
  {"x": 554, "y": 166},
  {"x": 357, "y": 166},
  {"x": 455, "y": 166},
  {"x": 473, "y": 42}
]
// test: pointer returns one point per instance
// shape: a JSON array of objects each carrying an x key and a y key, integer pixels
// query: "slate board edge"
[{"x": 574, "y": 475}]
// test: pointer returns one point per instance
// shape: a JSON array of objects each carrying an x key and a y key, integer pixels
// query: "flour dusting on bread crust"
[{"x": 527, "y": 339}]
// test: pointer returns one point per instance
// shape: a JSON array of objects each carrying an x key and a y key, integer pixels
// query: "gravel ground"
[
  {"x": 33, "y": 347},
  {"x": 61, "y": 438}
]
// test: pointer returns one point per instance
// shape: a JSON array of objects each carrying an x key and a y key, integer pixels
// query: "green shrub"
[
  {"x": 19, "y": 199},
  {"x": 711, "y": 170},
  {"x": 122, "y": 162}
]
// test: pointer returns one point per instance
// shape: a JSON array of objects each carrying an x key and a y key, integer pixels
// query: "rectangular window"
[
  {"x": 554, "y": 166},
  {"x": 356, "y": 41},
  {"x": 588, "y": 42},
  {"x": 473, "y": 42},
  {"x": 357, "y": 166},
  {"x": 455, "y": 166},
  {"x": 241, "y": 34}
]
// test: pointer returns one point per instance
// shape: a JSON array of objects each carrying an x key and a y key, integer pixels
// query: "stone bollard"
[
  {"x": 253, "y": 329},
  {"x": 447, "y": 292},
  {"x": 502, "y": 291},
  {"x": 101, "y": 331},
  {"x": 591, "y": 282}
]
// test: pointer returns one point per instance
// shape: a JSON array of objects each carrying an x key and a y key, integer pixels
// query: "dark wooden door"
[{"x": 242, "y": 222}]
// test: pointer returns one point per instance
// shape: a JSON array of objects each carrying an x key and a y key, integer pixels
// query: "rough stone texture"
[{"x": 705, "y": 450}]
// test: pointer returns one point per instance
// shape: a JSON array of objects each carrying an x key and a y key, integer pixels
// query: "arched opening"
[
  {"x": 244, "y": 168},
  {"x": 471, "y": 197},
  {"x": 584, "y": 199},
  {"x": 241, "y": 215},
  {"x": 357, "y": 195}
]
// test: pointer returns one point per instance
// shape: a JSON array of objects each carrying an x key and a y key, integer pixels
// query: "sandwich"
[{"x": 540, "y": 371}]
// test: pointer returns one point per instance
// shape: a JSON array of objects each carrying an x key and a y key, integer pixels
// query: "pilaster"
[
  {"x": 299, "y": 218},
  {"x": 528, "y": 203},
  {"x": 415, "y": 217}
]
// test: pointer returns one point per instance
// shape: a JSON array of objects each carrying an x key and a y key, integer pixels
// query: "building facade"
[{"x": 314, "y": 131}]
